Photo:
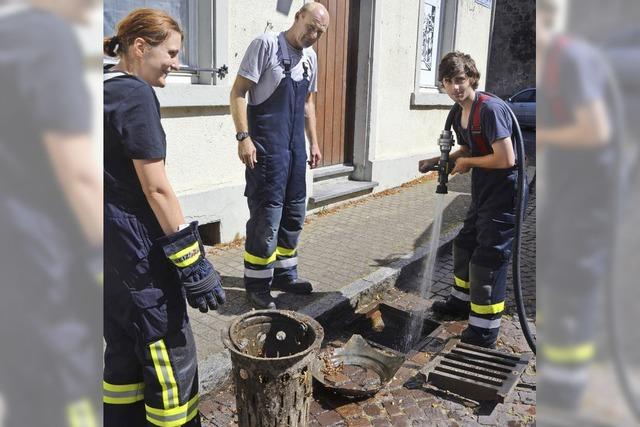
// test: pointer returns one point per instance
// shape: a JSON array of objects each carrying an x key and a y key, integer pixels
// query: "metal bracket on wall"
[{"x": 221, "y": 72}]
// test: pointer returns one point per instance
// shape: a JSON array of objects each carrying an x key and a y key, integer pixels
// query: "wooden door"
[{"x": 336, "y": 82}]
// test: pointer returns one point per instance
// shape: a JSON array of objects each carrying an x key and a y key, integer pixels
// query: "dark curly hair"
[{"x": 455, "y": 63}]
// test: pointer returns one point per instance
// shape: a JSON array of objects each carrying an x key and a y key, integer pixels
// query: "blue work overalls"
[
  {"x": 482, "y": 249},
  {"x": 150, "y": 366},
  {"x": 577, "y": 217},
  {"x": 276, "y": 189}
]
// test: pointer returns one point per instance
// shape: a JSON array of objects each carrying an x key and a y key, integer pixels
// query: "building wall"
[
  {"x": 202, "y": 158},
  {"x": 513, "y": 51},
  {"x": 404, "y": 134}
]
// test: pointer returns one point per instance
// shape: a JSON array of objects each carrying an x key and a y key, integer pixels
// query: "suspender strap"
[
  {"x": 286, "y": 59},
  {"x": 476, "y": 126},
  {"x": 552, "y": 77}
]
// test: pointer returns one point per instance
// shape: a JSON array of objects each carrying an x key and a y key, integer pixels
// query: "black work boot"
[
  {"x": 469, "y": 336},
  {"x": 296, "y": 286},
  {"x": 261, "y": 300},
  {"x": 451, "y": 307}
]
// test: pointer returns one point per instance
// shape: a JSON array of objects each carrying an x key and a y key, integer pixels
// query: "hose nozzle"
[{"x": 445, "y": 142}]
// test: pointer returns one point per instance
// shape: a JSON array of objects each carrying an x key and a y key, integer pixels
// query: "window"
[
  {"x": 182, "y": 11},
  {"x": 429, "y": 34},
  {"x": 204, "y": 49},
  {"x": 436, "y": 33}
]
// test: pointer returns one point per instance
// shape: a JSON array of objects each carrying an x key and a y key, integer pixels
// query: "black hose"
[
  {"x": 517, "y": 241},
  {"x": 452, "y": 114}
]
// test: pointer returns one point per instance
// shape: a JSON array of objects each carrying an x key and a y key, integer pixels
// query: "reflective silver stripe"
[
  {"x": 175, "y": 416},
  {"x": 133, "y": 395},
  {"x": 566, "y": 375},
  {"x": 285, "y": 263},
  {"x": 258, "y": 274},
  {"x": 484, "y": 323},
  {"x": 122, "y": 394},
  {"x": 460, "y": 295}
]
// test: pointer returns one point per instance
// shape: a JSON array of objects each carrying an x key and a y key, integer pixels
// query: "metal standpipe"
[{"x": 272, "y": 352}]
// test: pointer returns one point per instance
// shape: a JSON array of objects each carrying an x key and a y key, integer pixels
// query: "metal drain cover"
[{"x": 476, "y": 372}]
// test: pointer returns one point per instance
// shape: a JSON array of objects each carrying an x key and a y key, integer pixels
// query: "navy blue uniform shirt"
[
  {"x": 132, "y": 130},
  {"x": 495, "y": 122}
]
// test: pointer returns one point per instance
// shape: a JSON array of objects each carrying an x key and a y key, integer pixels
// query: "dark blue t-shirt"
[
  {"x": 573, "y": 77},
  {"x": 132, "y": 130},
  {"x": 495, "y": 122}
]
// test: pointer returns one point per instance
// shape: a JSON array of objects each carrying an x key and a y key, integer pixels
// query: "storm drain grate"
[{"x": 475, "y": 372}]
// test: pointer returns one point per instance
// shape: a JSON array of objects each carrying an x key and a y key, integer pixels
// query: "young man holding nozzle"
[
  {"x": 482, "y": 249},
  {"x": 279, "y": 71}
]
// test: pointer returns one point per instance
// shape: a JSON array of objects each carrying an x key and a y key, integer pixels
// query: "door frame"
[{"x": 367, "y": 72}]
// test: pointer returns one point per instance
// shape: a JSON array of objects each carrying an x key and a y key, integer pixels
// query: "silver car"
[{"x": 523, "y": 105}]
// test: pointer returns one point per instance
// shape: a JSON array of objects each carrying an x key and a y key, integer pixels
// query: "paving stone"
[
  {"x": 359, "y": 422},
  {"x": 400, "y": 421},
  {"x": 392, "y": 407},
  {"x": 527, "y": 397},
  {"x": 488, "y": 420},
  {"x": 329, "y": 419},
  {"x": 420, "y": 358},
  {"x": 351, "y": 410},
  {"x": 372, "y": 410},
  {"x": 414, "y": 412},
  {"x": 381, "y": 422},
  {"x": 400, "y": 394},
  {"x": 315, "y": 408}
]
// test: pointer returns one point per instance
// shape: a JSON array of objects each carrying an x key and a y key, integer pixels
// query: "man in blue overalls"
[
  {"x": 279, "y": 71},
  {"x": 482, "y": 249}
]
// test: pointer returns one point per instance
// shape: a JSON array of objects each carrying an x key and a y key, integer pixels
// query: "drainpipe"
[{"x": 493, "y": 19}]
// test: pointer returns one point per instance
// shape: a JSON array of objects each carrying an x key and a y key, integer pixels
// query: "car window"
[{"x": 526, "y": 96}]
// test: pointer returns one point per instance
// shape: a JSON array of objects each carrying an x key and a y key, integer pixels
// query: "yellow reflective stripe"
[
  {"x": 488, "y": 309},
  {"x": 122, "y": 387},
  {"x": 258, "y": 260},
  {"x": 186, "y": 256},
  {"x": 122, "y": 394},
  {"x": 175, "y": 416},
  {"x": 461, "y": 283},
  {"x": 164, "y": 372},
  {"x": 576, "y": 353},
  {"x": 81, "y": 414},
  {"x": 284, "y": 251}
]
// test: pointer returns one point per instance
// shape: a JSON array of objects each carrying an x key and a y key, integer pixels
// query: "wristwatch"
[{"x": 241, "y": 136}]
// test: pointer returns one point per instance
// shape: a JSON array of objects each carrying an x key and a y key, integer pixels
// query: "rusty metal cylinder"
[{"x": 272, "y": 352}]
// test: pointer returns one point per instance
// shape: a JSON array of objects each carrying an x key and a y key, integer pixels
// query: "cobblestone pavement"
[{"x": 400, "y": 405}]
